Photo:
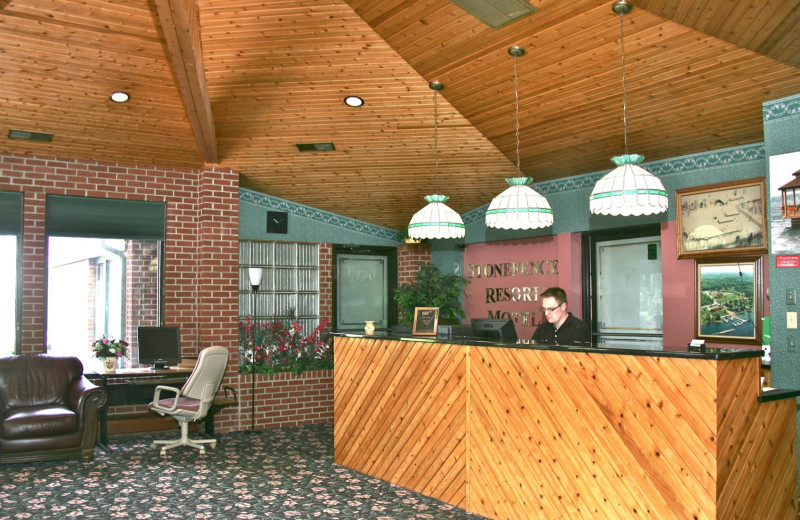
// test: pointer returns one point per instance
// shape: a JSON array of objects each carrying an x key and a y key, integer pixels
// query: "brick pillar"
[{"x": 409, "y": 256}]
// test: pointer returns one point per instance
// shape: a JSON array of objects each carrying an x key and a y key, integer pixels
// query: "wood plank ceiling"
[{"x": 239, "y": 82}]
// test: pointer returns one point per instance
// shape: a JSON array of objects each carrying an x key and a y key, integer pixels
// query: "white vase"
[
  {"x": 369, "y": 327},
  {"x": 109, "y": 365}
]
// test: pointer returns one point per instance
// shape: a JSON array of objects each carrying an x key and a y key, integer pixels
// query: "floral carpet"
[{"x": 283, "y": 473}]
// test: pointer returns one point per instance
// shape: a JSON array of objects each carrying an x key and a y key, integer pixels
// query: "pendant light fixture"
[
  {"x": 629, "y": 189},
  {"x": 436, "y": 220},
  {"x": 519, "y": 206}
]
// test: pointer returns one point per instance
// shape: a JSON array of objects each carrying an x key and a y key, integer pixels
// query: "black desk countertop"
[{"x": 675, "y": 352}]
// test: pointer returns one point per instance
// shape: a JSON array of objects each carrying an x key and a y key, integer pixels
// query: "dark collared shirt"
[{"x": 572, "y": 332}]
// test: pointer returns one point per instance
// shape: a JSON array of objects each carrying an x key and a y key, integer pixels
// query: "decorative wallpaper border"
[
  {"x": 666, "y": 167},
  {"x": 785, "y": 107},
  {"x": 318, "y": 215}
]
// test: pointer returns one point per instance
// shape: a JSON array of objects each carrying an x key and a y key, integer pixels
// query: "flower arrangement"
[
  {"x": 272, "y": 347},
  {"x": 109, "y": 347}
]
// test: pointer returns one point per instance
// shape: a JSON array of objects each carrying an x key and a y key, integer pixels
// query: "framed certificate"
[{"x": 426, "y": 321}]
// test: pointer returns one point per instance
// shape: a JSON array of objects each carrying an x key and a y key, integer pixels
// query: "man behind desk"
[{"x": 562, "y": 328}]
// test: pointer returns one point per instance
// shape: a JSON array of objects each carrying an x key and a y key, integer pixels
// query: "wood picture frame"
[
  {"x": 722, "y": 219},
  {"x": 728, "y": 300},
  {"x": 426, "y": 321}
]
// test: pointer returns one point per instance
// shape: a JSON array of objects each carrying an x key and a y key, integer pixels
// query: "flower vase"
[
  {"x": 109, "y": 365},
  {"x": 369, "y": 327}
]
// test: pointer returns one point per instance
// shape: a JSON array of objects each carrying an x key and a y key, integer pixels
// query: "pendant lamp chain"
[
  {"x": 624, "y": 87},
  {"x": 436, "y": 220},
  {"x": 519, "y": 206},
  {"x": 628, "y": 189},
  {"x": 435, "y": 138},
  {"x": 516, "y": 108}
]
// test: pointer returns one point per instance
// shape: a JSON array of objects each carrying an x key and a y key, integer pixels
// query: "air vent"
[
  {"x": 496, "y": 13},
  {"x": 30, "y": 136},
  {"x": 315, "y": 147}
]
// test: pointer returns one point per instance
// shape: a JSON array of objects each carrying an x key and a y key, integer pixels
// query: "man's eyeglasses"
[{"x": 551, "y": 309}]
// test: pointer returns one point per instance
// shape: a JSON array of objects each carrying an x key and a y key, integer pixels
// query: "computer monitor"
[
  {"x": 497, "y": 330},
  {"x": 159, "y": 346}
]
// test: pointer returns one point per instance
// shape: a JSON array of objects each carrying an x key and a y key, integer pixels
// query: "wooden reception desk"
[{"x": 537, "y": 432}]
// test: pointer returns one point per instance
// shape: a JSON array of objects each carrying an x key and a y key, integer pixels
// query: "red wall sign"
[
  {"x": 506, "y": 279},
  {"x": 787, "y": 261}
]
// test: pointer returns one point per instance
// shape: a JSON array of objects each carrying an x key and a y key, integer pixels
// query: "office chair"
[{"x": 191, "y": 403}]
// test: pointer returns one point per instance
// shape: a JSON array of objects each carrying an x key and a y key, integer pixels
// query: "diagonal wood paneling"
[
  {"x": 757, "y": 475},
  {"x": 536, "y": 434},
  {"x": 414, "y": 394},
  {"x": 603, "y": 434}
]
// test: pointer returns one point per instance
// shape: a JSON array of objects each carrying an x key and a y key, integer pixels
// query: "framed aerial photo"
[
  {"x": 728, "y": 303},
  {"x": 722, "y": 219},
  {"x": 426, "y": 321}
]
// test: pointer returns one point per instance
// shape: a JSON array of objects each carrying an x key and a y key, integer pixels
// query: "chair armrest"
[
  {"x": 157, "y": 398},
  {"x": 86, "y": 399},
  {"x": 229, "y": 389},
  {"x": 79, "y": 393}
]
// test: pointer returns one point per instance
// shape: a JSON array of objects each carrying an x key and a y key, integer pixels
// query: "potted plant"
[
  {"x": 268, "y": 348},
  {"x": 431, "y": 288},
  {"x": 109, "y": 350}
]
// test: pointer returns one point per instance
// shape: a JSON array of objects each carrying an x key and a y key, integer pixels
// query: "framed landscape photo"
[
  {"x": 722, "y": 219},
  {"x": 426, "y": 321},
  {"x": 728, "y": 303}
]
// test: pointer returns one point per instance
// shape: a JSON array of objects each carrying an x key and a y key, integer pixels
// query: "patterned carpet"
[{"x": 287, "y": 473}]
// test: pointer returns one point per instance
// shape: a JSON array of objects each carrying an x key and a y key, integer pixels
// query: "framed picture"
[
  {"x": 728, "y": 303},
  {"x": 722, "y": 219},
  {"x": 426, "y": 321}
]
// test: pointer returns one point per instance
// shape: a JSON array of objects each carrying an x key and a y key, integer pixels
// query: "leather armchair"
[{"x": 48, "y": 409}]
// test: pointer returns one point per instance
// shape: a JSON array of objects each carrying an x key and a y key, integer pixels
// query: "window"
[
  {"x": 103, "y": 272},
  {"x": 289, "y": 287},
  {"x": 10, "y": 238},
  {"x": 99, "y": 287},
  {"x": 627, "y": 302},
  {"x": 8, "y": 295}
]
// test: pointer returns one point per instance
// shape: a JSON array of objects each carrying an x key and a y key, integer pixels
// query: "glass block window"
[{"x": 289, "y": 287}]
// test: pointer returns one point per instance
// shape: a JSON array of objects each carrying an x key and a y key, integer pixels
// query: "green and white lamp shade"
[
  {"x": 628, "y": 190},
  {"x": 519, "y": 207},
  {"x": 436, "y": 220}
]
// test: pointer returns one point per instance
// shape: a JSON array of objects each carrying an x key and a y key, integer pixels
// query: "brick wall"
[
  {"x": 325, "y": 281},
  {"x": 200, "y": 262},
  {"x": 409, "y": 257},
  {"x": 282, "y": 400}
]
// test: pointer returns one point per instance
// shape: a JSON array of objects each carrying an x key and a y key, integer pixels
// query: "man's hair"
[{"x": 555, "y": 292}]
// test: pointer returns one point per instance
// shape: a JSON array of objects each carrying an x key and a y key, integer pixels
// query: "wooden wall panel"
[
  {"x": 577, "y": 435},
  {"x": 757, "y": 475},
  {"x": 399, "y": 414},
  {"x": 516, "y": 433}
]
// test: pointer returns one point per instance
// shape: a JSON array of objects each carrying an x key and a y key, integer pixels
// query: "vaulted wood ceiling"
[{"x": 240, "y": 82}]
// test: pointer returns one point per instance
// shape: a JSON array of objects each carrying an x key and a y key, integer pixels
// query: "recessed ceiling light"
[
  {"x": 119, "y": 97},
  {"x": 353, "y": 101}
]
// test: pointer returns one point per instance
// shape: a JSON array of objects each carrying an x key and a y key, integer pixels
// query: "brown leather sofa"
[{"x": 48, "y": 409}]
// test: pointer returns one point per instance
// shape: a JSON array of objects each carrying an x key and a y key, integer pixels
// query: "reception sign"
[{"x": 506, "y": 279}]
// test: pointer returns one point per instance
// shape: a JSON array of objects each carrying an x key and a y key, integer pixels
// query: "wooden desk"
[
  {"x": 533, "y": 432},
  {"x": 135, "y": 386}
]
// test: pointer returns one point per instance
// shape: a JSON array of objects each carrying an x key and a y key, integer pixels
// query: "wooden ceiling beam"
[{"x": 181, "y": 26}]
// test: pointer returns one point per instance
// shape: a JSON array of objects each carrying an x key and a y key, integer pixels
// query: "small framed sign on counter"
[{"x": 426, "y": 321}]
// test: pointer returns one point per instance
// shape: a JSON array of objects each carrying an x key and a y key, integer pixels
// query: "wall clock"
[{"x": 277, "y": 222}]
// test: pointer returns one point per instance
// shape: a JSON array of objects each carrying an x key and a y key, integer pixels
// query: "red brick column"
[{"x": 409, "y": 256}]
